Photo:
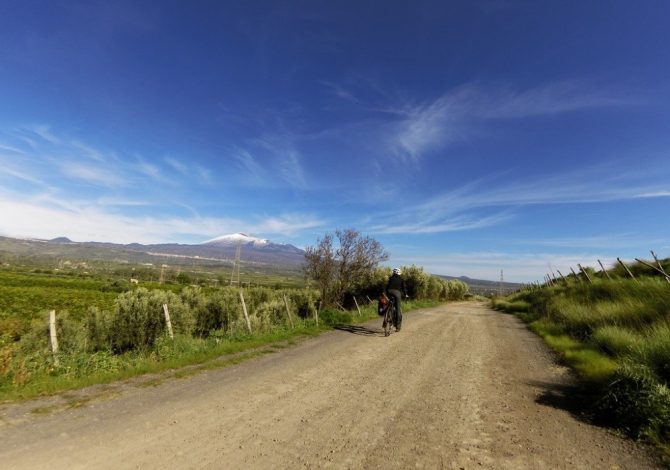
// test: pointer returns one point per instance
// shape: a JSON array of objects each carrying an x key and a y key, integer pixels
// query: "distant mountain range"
[
  {"x": 220, "y": 249},
  {"x": 262, "y": 253},
  {"x": 481, "y": 286}
]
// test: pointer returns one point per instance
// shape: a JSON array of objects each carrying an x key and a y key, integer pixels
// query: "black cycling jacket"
[{"x": 396, "y": 282}]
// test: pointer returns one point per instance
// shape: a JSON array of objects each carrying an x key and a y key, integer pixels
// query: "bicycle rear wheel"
[{"x": 388, "y": 320}]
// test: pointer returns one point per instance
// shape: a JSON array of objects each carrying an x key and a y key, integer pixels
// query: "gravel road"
[{"x": 461, "y": 387}]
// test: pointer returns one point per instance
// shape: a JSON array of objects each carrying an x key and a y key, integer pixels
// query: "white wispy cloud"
[
  {"x": 412, "y": 129},
  {"x": 443, "y": 225},
  {"x": 11, "y": 149},
  {"x": 41, "y": 131},
  {"x": 87, "y": 151},
  {"x": 99, "y": 175},
  {"x": 10, "y": 169},
  {"x": 204, "y": 174},
  {"x": 611, "y": 241},
  {"x": 120, "y": 201},
  {"x": 247, "y": 161},
  {"x": 471, "y": 205},
  {"x": 152, "y": 171},
  {"x": 83, "y": 221},
  {"x": 176, "y": 165},
  {"x": 190, "y": 170},
  {"x": 60, "y": 156},
  {"x": 286, "y": 159},
  {"x": 289, "y": 224}
]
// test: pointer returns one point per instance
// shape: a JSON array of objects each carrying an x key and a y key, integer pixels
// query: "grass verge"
[{"x": 616, "y": 336}]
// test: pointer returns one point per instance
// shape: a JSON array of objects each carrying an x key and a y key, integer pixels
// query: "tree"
[
  {"x": 335, "y": 271},
  {"x": 320, "y": 265},
  {"x": 357, "y": 257}
]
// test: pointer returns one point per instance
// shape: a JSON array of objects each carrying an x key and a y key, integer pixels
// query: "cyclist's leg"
[{"x": 399, "y": 315}]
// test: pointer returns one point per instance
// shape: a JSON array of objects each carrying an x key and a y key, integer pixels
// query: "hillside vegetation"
[
  {"x": 616, "y": 334},
  {"x": 108, "y": 329}
]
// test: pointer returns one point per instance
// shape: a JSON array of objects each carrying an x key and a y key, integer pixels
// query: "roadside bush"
[
  {"x": 96, "y": 326},
  {"x": 416, "y": 281},
  {"x": 71, "y": 335},
  {"x": 12, "y": 328},
  {"x": 218, "y": 312},
  {"x": 267, "y": 314},
  {"x": 435, "y": 287},
  {"x": 304, "y": 300},
  {"x": 636, "y": 402},
  {"x": 138, "y": 318},
  {"x": 455, "y": 290},
  {"x": 373, "y": 284}
]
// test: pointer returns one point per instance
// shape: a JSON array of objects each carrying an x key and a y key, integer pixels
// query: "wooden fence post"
[
  {"x": 167, "y": 320},
  {"x": 357, "y": 307},
  {"x": 588, "y": 278},
  {"x": 576, "y": 276},
  {"x": 562, "y": 277},
  {"x": 603, "y": 268},
  {"x": 244, "y": 309},
  {"x": 288, "y": 312},
  {"x": 53, "y": 336},
  {"x": 667, "y": 277},
  {"x": 659, "y": 265},
  {"x": 316, "y": 314},
  {"x": 627, "y": 270}
]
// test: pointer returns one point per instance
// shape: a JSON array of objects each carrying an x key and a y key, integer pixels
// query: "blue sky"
[{"x": 466, "y": 136}]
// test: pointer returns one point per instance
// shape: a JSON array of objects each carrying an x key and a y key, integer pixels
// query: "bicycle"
[{"x": 389, "y": 316}]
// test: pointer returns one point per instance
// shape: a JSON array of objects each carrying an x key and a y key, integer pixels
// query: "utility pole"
[
  {"x": 236, "y": 266},
  {"x": 162, "y": 278},
  {"x": 500, "y": 285}
]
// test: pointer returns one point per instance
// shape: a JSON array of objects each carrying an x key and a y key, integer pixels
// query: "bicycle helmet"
[{"x": 397, "y": 271}]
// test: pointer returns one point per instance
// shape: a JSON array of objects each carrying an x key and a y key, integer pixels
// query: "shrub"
[
  {"x": 96, "y": 325},
  {"x": 435, "y": 288},
  {"x": 455, "y": 290},
  {"x": 416, "y": 281},
  {"x": 218, "y": 312},
  {"x": 138, "y": 318},
  {"x": 305, "y": 301},
  {"x": 12, "y": 328},
  {"x": 636, "y": 402},
  {"x": 267, "y": 314}
]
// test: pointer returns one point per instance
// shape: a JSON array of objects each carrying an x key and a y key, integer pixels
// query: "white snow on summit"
[{"x": 235, "y": 238}]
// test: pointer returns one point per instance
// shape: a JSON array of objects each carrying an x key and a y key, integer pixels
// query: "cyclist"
[{"x": 395, "y": 288}]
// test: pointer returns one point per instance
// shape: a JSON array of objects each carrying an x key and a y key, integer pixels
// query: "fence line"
[{"x": 551, "y": 280}]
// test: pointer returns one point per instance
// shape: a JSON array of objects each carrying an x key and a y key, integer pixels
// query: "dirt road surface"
[{"x": 460, "y": 387}]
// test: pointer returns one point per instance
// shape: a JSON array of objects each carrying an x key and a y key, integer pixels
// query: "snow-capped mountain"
[{"x": 224, "y": 248}]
